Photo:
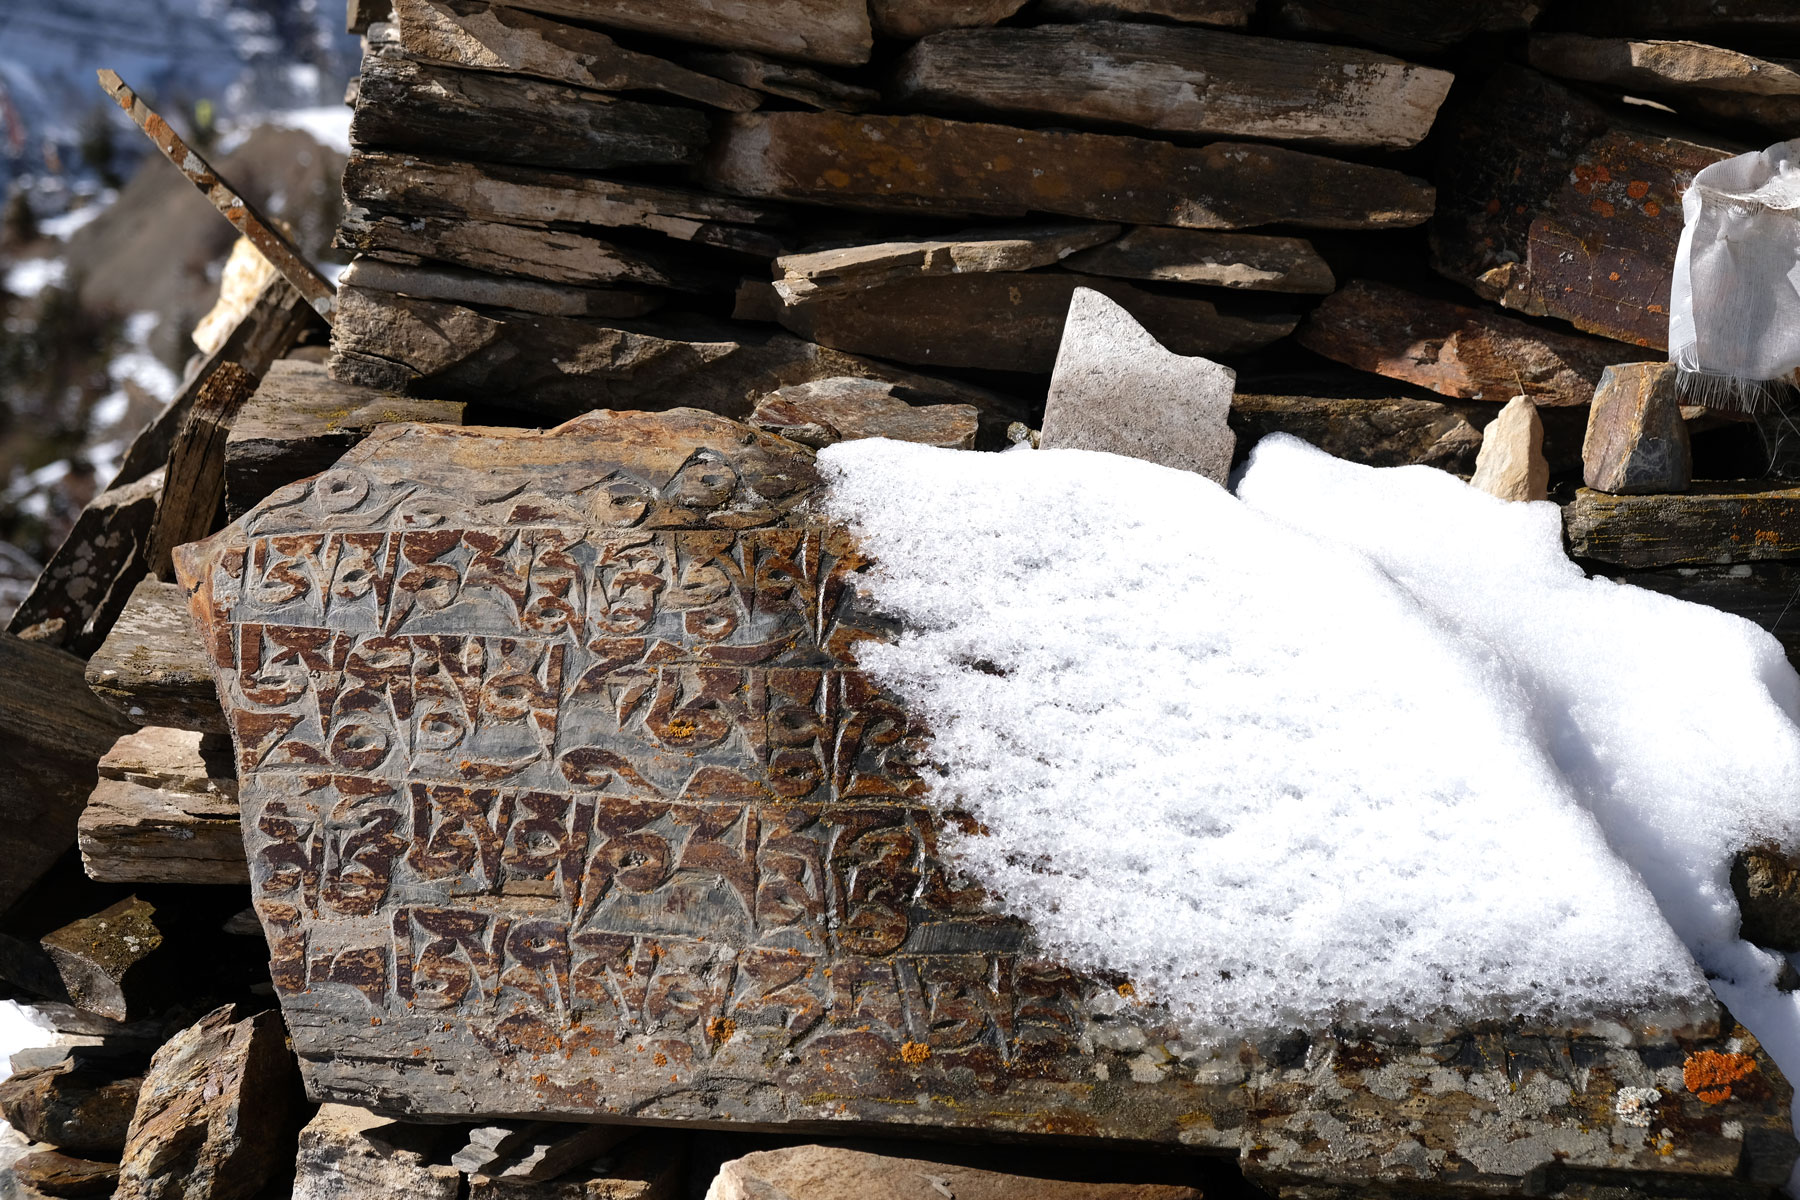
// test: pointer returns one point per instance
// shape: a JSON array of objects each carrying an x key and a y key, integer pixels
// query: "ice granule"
[{"x": 1239, "y": 763}]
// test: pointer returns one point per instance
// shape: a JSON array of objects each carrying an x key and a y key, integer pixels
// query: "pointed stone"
[
  {"x": 1637, "y": 443},
  {"x": 109, "y": 961},
  {"x": 1117, "y": 389},
  {"x": 1511, "y": 464}
]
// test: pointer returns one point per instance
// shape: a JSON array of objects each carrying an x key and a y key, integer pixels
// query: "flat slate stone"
[
  {"x": 1711, "y": 523},
  {"x": 1010, "y": 321},
  {"x": 918, "y": 18},
  {"x": 1118, "y": 390},
  {"x": 1176, "y": 79},
  {"x": 1455, "y": 350},
  {"x": 151, "y": 668},
  {"x": 485, "y": 37},
  {"x": 826, "y": 31},
  {"x": 817, "y": 274},
  {"x": 1233, "y": 260},
  {"x": 789, "y": 81},
  {"x": 1390, "y": 431},
  {"x": 165, "y": 811},
  {"x": 563, "y": 791},
  {"x": 1228, "y": 14},
  {"x": 962, "y": 168},
  {"x": 461, "y": 286},
  {"x": 829, "y": 411}
]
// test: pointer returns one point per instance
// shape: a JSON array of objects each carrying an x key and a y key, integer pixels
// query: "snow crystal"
[{"x": 1236, "y": 762}]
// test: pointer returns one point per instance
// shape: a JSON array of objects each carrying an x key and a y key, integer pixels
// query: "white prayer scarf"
[{"x": 1734, "y": 303}]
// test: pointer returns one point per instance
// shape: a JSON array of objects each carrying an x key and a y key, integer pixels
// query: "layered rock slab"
[{"x": 564, "y": 796}]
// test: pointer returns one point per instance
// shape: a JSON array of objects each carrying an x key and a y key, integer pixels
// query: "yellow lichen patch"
[
  {"x": 915, "y": 1052},
  {"x": 720, "y": 1029},
  {"x": 1710, "y": 1074}
]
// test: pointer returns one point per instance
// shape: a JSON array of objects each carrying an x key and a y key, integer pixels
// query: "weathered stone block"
[
  {"x": 1710, "y": 523},
  {"x": 165, "y": 811},
  {"x": 565, "y": 797},
  {"x": 72, "y": 1104},
  {"x": 1767, "y": 884},
  {"x": 353, "y": 1154},
  {"x": 837, "y": 410},
  {"x": 1636, "y": 441}
]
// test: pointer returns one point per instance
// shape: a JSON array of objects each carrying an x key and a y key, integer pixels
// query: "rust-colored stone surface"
[{"x": 564, "y": 796}]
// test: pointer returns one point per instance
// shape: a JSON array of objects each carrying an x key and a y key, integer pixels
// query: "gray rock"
[
  {"x": 1117, "y": 389},
  {"x": 1636, "y": 442},
  {"x": 353, "y": 1154},
  {"x": 842, "y": 410},
  {"x": 1511, "y": 464},
  {"x": 1766, "y": 880}
]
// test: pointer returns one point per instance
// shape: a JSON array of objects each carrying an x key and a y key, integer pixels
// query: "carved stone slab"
[{"x": 564, "y": 797}]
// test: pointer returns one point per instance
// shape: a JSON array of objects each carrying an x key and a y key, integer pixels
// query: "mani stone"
[
  {"x": 829, "y": 411},
  {"x": 844, "y": 1173},
  {"x": 1637, "y": 443},
  {"x": 1175, "y": 79},
  {"x": 817, "y": 274},
  {"x": 1116, "y": 389},
  {"x": 563, "y": 791},
  {"x": 1511, "y": 464},
  {"x": 353, "y": 1154},
  {"x": 217, "y": 1115},
  {"x": 1766, "y": 881},
  {"x": 165, "y": 811}
]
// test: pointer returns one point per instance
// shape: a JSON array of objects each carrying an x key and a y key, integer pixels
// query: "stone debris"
[
  {"x": 1511, "y": 464},
  {"x": 1116, "y": 389},
  {"x": 1636, "y": 441},
  {"x": 353, "y": 1154}
]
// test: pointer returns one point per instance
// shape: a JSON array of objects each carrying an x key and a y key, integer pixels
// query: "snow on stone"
[
  {"x": 21, "y": 1028},
  {"x": 33, "y": 276},
  {"x": 1238, "y": 763}
]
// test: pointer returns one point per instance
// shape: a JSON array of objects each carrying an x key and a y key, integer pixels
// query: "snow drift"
[{"x": 1360, "y": 746}]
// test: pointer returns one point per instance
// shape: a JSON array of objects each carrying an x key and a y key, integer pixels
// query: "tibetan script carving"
[{"x": 563, "y": 794}]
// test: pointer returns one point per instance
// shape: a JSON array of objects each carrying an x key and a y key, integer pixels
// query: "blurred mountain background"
[{"x": 108, "y": 256}]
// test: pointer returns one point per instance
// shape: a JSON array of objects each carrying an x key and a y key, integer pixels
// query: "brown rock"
[
  {"x": 1177, "y": 79},
  {"x": 484, "y": 37},
  {"x": 353, "y": 1154},
  {"x": 917, "y": 18},
  {"x": 1636, "y": 440},
  {"x": 1465, "y": 353},
  {"x": 84, "y": 586},
  {"x": 414, "y": 186},
  {"x": 790, "y": 81},
  {"x": 152, "y": 669},
  {"x": 827, "y": 31},
  {"x": 829, "y": 411},
  {"x": 54, "y": 730},
  {"x": 1377, "y": 432},
  {"x": 840, "y": 1173},
  {"x": 1118, "y": 390},
  {"x": 958, "y": 168},
  {"x": 1711, "y": 523},
  {"x": 1660, "y": 66},
  {"x": 802, "y": 278},
  {"x": 194, "y": 481},
  {"x": 458, "y": 285},
  {"x": 558, "y": 367},
  {"x": 1233, "y": 260},
  {"x": 74, "y": 1105},
  {"x": 300, "y": 421},
  {"x": 1766, "y": 881},
  {"x": 165, "y": 811},
  {"x": 54, "y": 1174},
  {"x": 1406, "y": 26},
  {"x": 1010, "y": 321},
  {"x": 109, "y": 961},
  {"x": 1234, "y": 14},
  {"x": 508, "y": 118},
  {"x": 217, "y": 1114},
  {"x": 1556, "y": 207},
  {"x": 1511, "y": 464}
]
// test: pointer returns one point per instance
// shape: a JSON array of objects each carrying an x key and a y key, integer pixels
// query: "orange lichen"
[
  {"x": 720, "y": 1029},
  {"x": 1126, "y": 989},
  {"x": 661, "y": 1059},
  {"x": 915, "y": 1052},
  {"x": 1603, "y": 207},
  {"x": 1637, "y": 189},
  {"x": 1710, "y": 1074},
  {"x": 1652, "y": 208}
]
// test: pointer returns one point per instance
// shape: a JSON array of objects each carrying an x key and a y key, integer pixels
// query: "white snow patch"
[
  {"x": 64, "y": 226},
  {"x": 1245, "y": 765},
  {"x": 329, "y": 125},
  {"x": 34, "y": 275}
]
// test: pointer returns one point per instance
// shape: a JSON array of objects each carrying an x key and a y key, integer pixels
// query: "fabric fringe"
[{"x": 1729, "y": 393}]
